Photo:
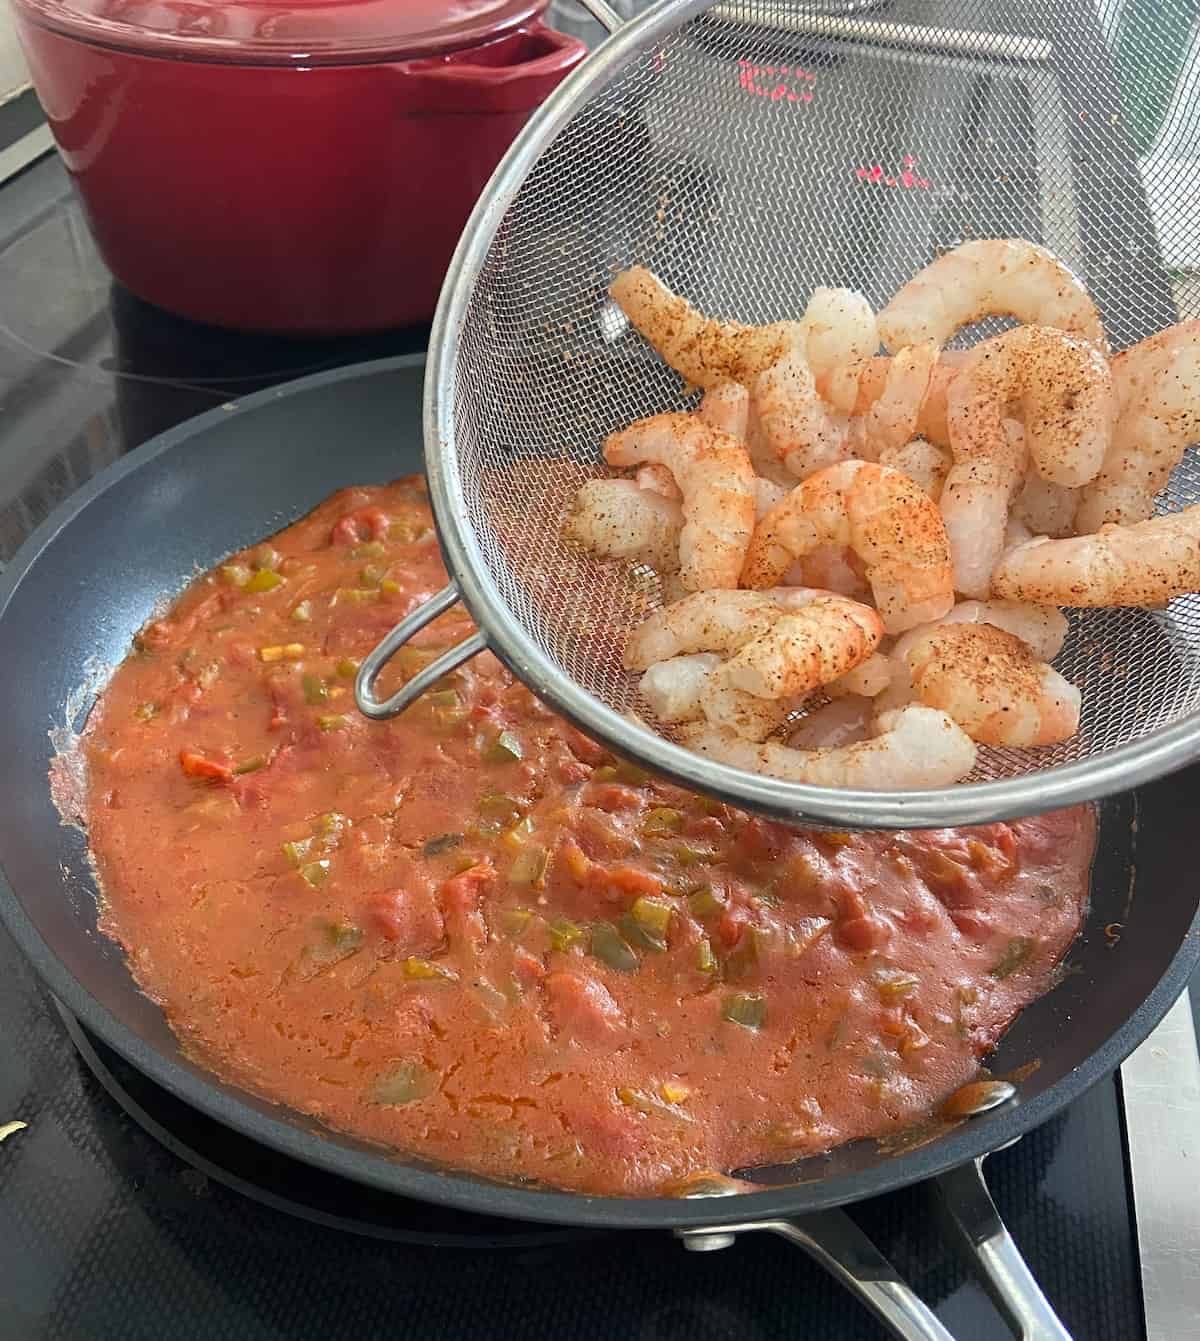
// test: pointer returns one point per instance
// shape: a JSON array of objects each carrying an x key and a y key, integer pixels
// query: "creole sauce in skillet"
[{"x": 474, "y": 935}]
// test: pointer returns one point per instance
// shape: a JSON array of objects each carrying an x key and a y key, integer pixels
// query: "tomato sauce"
[{"x": 472, "y": 935}]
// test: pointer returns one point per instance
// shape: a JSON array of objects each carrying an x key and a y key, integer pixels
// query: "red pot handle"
[{"x": 512, "y": 74}]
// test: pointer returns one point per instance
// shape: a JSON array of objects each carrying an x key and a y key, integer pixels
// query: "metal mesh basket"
[{"x": 747, "y": 153}]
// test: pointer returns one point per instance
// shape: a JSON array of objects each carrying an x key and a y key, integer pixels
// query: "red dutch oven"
[{"x": 299, "y": 166}]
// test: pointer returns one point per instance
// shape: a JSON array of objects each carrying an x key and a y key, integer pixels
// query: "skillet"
[{"x": 91, "y": 575}]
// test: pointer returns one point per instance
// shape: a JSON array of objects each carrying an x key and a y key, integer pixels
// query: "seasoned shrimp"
[
  {"x": 1047, "y": 509},
  {"x": 992, "y": 278},
  {"x": 833, "y": 568},
  {"x": 805, "y": 649},
  {"x": 839, "y": 328},
  {"x": 880, "y": 514},
  {"x": 845, "y": 721},
  {"x": 766, "y": 494},
  {"x": 974, "y": 505},
  {"x": 729, "y": 708},
  {"x": 672, "y": 687},
  {"x": 992, "y": 685},
  {"x": 726, "y": 407},
  {"x": 714, "y": 474},
  {"x": 867, "y": 680},
  {"x": 1043, "y": 628},
  {"x": 923, "y": 462},
  {"x": 854, "y": 388},
  {"x": 703, "y": 350},
  {"x": 791, "y": 426},
  {"x": 1158, "y": 394},
  {"x": 916, "y": 747},
  {"x": 658, "y": 480},
  {"x": 689, "y": 688},
  {"x": 1063, "y": 387},
  {"x": 710, "y": 621},
  {"x": 1147, "y": 564},
  {"x": 615, "y": 519},
  {"x": 892, "y": 419}
]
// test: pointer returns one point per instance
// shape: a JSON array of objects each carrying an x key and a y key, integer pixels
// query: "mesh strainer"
[{"x": 748, "y": 152}]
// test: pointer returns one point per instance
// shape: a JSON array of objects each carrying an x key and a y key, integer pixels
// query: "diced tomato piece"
[
  {"x": 761, "y": 841},
  {"x": 614, "y": 882},
  {"x": 359, "y": 525},
  {"x": 408, "y": 916},
  {"x": 857, "y": 927},
  {"x": 731, "y": 924},
  {"x": 706, "y": 827},
  {"x": 528, "y": 968},
  {"x": 611, "y": 796},
  {"x": 197, "y": 766},
  {"x": 583, "y": 1008},
  {"x": 584, "y": 747},
  {"x": 461, "y": 892},
  {"x": 569, "y": 770}
]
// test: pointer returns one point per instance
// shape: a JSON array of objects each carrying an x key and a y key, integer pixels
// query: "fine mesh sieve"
[{"x": 747, "y": 153}]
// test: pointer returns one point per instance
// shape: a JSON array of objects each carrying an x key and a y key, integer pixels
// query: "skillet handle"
[
  {"x": 837, "y": 1243},
  {"x": 375, "y": 660},
  {"x": 1014, "y": 1291}
]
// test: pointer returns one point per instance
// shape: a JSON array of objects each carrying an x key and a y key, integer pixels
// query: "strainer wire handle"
[
  {"x": 375, "y": 660},
  {"x": 604, "y": 14}
]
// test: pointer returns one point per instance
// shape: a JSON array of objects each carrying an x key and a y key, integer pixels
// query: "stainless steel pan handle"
[
  {"x": 375, "y": 660},
  {"x": 837, "y": 1243},
  {"x": 997, "y": 1259}
]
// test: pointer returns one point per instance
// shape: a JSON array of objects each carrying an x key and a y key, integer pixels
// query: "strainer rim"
[{"x": 1126, "y": 766}]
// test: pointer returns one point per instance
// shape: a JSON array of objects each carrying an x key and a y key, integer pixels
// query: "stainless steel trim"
[
  {"x": 832, "y": 1239},
  {"x": 993, "y": 1254},
  {"x": 375, "y": 660},
  {"x": 1160, "y": 1090},
  {"x": 1007, "y": 47},
  {"x": 604, "y": 14}
]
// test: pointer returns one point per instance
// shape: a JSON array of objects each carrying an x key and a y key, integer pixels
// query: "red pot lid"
[{"x": 283, "y": 32}]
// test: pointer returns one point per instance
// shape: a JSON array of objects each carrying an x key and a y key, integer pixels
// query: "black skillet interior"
[{"x": 89, "y": 578}]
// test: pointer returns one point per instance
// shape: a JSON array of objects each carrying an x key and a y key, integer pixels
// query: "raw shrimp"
[
  {"x": 806, "y": 649},
  {"x": 1064, "y": 389},
  {"x": 1158, "y": 393},
  {"x": 714, "y": 474},
  {"x": 923, "y": 462},
  {"x": 1047, "y": 509},
  {"x": 688, "y": 688},
  {"x": 728, "y": 708},
  {"x": 892, "y": 419},
  {"x": 615, "y": 519},
  {"x": 726, "y": 407},
  {"x": 1043, "y": 628},
  {"x": 839, "y": 328},
  {"x": 1147, "y": 563},
  {"x": 916, "y": 747},
  {"x": 880, "y": 514},
  {"x": 710, "y": 621},
  {"x": 658, "y": 480},
  {"x": 974, "y": 504},
  {"x": 845, "y": 721},
  {"x": 791, "y": 426},
  {"x": 867, "y": 680},
  {"x": 833, "y": 568},
  {"x": 672, "y": 687},
  {"x": 703, "y": 350},
  {"x": 990, "y": 278},
  {"x": 992, "y": 685},
  {"x": 854, "y": 388}
]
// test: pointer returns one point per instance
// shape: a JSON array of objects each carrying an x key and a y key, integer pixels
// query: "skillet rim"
[{"x": 463, "y": 1190}]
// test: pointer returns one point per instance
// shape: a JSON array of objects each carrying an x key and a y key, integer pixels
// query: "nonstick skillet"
[{"x": 90, "y": 576}]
